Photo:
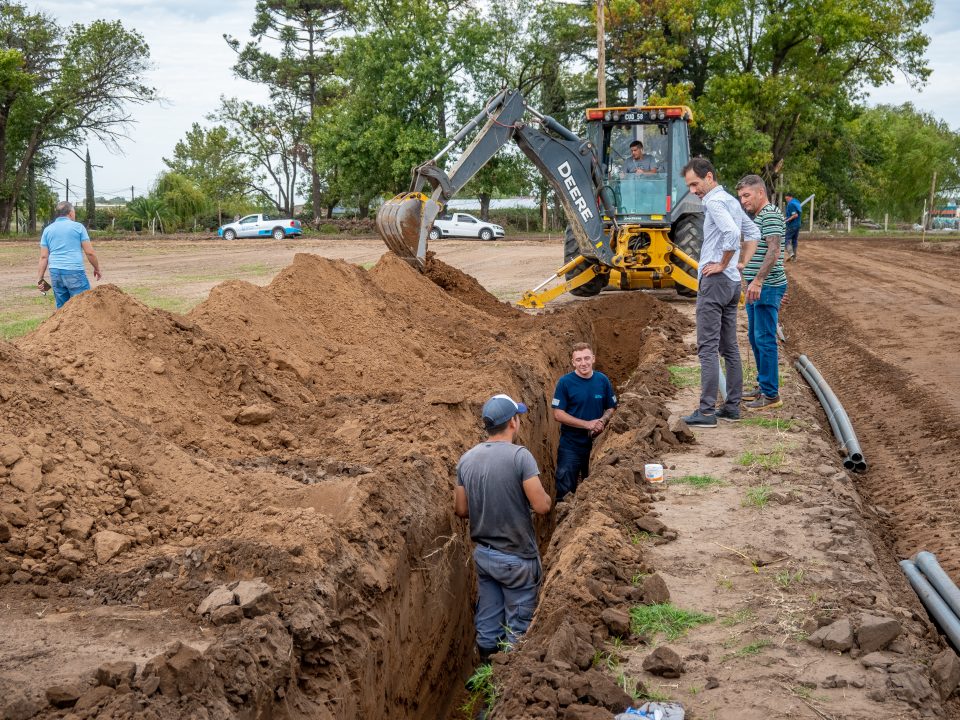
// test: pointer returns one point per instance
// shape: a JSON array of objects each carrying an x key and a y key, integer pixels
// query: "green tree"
[
  {"x": 212, "y": 159},
  {"x": 90, "y": 204},
  {"x": 645, "y": 45},
  {"x": 304, "y": 66},
  {"x": 271, "y": 141},
  {"x": 180, "y": 196},
  {"x": 400, "y": 70},
  {"x": 59, "y": 86},
  {"x": 767, "y": 77},
  {"x": 149, "y": 211}
]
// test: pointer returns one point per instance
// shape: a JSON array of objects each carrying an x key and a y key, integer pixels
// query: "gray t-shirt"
[
  {"x": 645, "y": 163},
  {"x": 492, "y": 474}
]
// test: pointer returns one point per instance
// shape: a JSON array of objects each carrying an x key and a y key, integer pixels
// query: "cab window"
[{"x": 249, "y": 219}]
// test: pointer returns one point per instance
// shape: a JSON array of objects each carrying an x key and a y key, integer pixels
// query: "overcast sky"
[{"x": 192, "y": 70}]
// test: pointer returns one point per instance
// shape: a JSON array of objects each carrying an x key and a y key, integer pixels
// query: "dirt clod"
[
  {"x": 664, "y": 661},
  {"x": 875, "y": 633}
]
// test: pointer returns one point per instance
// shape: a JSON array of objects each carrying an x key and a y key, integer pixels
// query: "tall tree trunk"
[
  {"x": 484, "y": 206},
  {"x": 32, "y": 200}
]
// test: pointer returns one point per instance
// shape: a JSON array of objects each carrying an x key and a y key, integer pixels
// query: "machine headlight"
[
  {"x": 661, "y": 115},
  {"x": 606, "y": 116}
]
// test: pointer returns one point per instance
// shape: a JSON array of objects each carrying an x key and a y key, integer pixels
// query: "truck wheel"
[
  {"x": 229, "y": 235},
  {"x": 434, "y": 234},
  {"x": 279, "y": 234},
  {"x": 570, "y": 250},
  {"x": 486, "y": 234},
  {"x": 688, "y": 236}
]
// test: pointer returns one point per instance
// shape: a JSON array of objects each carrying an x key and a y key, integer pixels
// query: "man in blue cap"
[{"x": 498, "y": 484}]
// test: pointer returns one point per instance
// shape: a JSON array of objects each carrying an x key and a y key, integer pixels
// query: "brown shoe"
[{"x": 764, "y": 403}]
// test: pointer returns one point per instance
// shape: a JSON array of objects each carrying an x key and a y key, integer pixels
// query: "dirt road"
[
  {"x": 879, "y": 319},
  {"x": 177, "y": 273}
]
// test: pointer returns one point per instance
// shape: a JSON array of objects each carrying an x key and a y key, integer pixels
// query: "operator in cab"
[{"x": 639, "y": 162}]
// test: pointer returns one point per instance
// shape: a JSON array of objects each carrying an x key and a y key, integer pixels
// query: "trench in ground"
[{"x": 618, "y": 339}]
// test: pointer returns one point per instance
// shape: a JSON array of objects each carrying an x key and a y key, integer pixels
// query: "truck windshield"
[{"x": 638, "y": 173}]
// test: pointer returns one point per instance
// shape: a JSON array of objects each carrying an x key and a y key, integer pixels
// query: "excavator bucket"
[{"x": 404, "y": 223}]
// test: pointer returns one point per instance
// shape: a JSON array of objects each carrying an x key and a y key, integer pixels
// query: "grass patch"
[
  {"x": 482, "y": 691},
  {"x": 724, "y": 582},
  {"x": 653, "y": 696},
  {"x": 698, "y": 481},
  {"x": 16, "y": 328},
  {"x": 769, "y": 423},
  {"x": 368, "y": 265},
  {"x": 786, "y": 578},
  {"x": 640, "y": 537},
  {"x": 748, "y": 650},
  {"x": 639, "y": 578},
  {"x": 257, "y": 268},
  {"x": 757, "y": 497},
  {"x": 740, "y": 616},
  {"x": 684, "y": 377},
  {"x": 665, "y": 619},
  {"x": 164, "y": 302},
  {"x": 766, "y": 460}
]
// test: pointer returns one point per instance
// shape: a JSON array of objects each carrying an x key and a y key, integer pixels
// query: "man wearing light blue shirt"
[
  {"x": 718, "y": 296},
  {"x": 63, "y": 244}
]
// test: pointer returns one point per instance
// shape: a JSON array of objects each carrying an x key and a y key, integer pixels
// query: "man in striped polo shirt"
[{"x": 766, "y": 285}]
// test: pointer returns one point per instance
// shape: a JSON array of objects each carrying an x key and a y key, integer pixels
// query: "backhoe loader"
[{"x": 626, "y": 229}]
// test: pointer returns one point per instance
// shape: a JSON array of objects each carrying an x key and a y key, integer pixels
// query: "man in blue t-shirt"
[
  {"x": 794, "y": 213},
  {"x": 63, "y": 244},
  {"x": 583, "y": 404}
]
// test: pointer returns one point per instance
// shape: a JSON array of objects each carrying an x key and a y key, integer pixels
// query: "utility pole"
[
  {"x": 131, "y": 193},
  {"x": 68, "y": 189},
  {"x": 601, "y": 56},
  {"x": 933, "y": 190}
]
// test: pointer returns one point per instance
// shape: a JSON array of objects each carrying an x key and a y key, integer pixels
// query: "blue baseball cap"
[{"x": 499, "y": 409}]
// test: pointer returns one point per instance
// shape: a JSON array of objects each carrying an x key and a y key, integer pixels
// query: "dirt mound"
[
  {"x": 305, "y": 433},
  {"x": 466, "y": 289}
]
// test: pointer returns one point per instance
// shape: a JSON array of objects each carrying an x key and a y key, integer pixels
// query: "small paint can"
[{"x": 653, "y": 472}]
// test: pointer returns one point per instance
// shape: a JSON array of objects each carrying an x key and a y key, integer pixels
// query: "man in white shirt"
[{"x": 724, "y": 224}]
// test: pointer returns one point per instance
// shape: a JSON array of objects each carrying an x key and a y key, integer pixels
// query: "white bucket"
[{"x": 653, "y": 472}]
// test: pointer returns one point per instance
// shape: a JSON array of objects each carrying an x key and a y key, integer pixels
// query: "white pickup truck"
[
  {"x": 463, "y": 225},
  {"x": 261, "y": 226}
]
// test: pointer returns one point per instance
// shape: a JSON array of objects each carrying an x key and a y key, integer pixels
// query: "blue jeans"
[
  {"x": 507, "y": 595},
  {"x": 573, "y": 465},
  {"x": 67, "y": 283},
  {"x": 762, "y": 317}
]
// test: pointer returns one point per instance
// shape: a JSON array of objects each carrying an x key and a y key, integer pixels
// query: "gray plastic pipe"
[
  {"x": 927, "y": 562},
  {"x": 935, "y": 605},
  {"x": 831, "y": 405}
]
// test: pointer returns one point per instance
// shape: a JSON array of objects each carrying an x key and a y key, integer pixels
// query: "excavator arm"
[{"x": 568, "y": 162}]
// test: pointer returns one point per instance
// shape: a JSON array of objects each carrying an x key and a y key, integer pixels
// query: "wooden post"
[
  {"x": 812, "y": 201},
  {"x": 601, "y": 56},
  {"x": 886, "y": 219},
  {"x": 930, "y": 204}
]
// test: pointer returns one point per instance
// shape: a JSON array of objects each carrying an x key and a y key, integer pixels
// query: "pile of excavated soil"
[{"x": 304, "y": 433}]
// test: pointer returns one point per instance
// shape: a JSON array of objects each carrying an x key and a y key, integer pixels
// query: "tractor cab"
[{"x": 642, "y": 151}]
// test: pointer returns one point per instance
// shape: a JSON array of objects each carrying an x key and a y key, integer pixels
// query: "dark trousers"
[
  {"x": 717, "y": 300},
  {"x": 793, "y": 235},
  {"x": 573, "y": 465}
]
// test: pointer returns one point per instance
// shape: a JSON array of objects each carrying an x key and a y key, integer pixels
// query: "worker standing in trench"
[
  {"x": 498, "y": 483},
  {"x": 583, "y": 403}
]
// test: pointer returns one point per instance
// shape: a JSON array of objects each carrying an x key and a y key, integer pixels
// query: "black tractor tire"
[
  {"x": 278, "y": 233},
  {"x": 688, "y": 236},
  {"x": 570, "y": 250},
  {"x": 486, "y": 234},
  {"x": 434, "y": 234},
  {"x": 229, "y": 235}
]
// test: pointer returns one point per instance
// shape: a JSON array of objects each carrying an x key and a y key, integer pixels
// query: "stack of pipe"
[
  {"x": 936, "y": 591},
  {"x": 836, "y": 416}
]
